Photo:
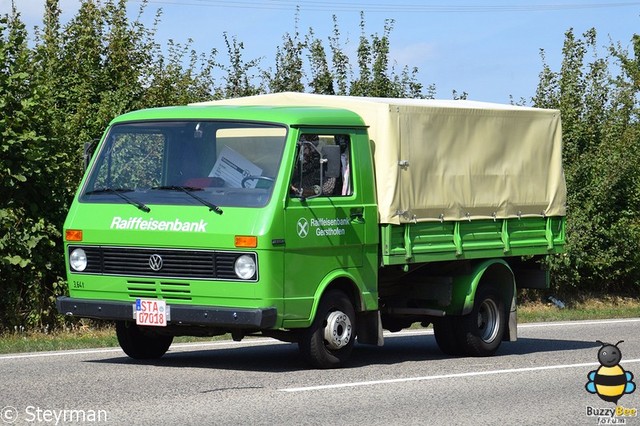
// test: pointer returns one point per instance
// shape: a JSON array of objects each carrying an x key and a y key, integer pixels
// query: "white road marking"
[
  {"x": 446, "y": 376},
  {"x": 174, "y": 348},
  {"x": 573, "y": 323},
  {"x": 58, "y": 353}
]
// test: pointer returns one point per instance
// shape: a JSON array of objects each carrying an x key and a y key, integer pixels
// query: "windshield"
[{"x": 208, "y": 163}]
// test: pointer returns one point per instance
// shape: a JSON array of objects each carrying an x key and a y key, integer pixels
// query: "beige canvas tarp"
[{"x": 453, "y": 160}]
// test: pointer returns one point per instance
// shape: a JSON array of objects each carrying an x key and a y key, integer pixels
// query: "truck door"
[{"x": 325, "y": 225}]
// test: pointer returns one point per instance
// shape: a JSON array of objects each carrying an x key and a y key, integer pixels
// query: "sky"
[{"x": 488, "y": 49}]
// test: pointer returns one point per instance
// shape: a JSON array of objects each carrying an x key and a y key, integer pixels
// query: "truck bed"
[{"x": 454, "y": 240}]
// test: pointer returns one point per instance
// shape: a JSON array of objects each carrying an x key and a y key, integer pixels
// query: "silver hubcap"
[
  {"x": 337, "y": 332},
  {"x": 488, "y": 320}
]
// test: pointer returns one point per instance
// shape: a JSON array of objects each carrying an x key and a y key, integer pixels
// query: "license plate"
[{"x": 151, "y": 312}]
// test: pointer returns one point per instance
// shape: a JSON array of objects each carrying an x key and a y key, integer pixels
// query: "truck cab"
[{"x": 203, "y": 221}]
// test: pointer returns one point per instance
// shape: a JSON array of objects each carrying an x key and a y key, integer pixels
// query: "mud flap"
[
  {"x": 369, "y": 328},
  {"x": 512, "y": 330}
]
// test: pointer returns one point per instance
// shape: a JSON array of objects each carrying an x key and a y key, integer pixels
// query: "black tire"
[
  {"x": 329, "y": 341},
  {"x": 139, "y": 344},
  {"x": 446, "y": 336},
  {"x": 480, "y": 333}
]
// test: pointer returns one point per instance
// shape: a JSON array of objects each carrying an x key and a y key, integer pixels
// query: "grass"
[
  {"x": 86, "y": 335},
  {"x": 583, "y": 307},
  {"x": 34, "y": 341}
]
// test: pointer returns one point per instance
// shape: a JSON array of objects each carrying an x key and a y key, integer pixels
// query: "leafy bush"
[{"x": 601, "y": 155}]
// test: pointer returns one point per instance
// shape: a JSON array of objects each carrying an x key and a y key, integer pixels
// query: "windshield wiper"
[
  {"x": 188, "y": 190},
  {"x": 119, "y": 193}
]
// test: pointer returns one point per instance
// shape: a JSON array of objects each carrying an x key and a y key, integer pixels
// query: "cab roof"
[{"x": 292, "y": 116}]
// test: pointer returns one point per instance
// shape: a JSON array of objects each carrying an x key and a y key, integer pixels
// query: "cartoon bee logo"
[{"x": 610, "y": 381}]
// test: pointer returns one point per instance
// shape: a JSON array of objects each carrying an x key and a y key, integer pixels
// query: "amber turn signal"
[
  {"x": 73, "y": 235},
  {"x": 246, "y": 241}
]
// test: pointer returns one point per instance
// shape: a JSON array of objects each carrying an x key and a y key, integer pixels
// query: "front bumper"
[{"x": 260, "y": 318}]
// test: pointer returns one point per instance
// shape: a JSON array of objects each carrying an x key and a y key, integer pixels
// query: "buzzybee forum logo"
[{"x": 610, "y": 382}]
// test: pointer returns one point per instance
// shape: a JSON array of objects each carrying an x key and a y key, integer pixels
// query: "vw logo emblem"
[
  {"x": 155, "y": 262},
  {"x": 303, "y": 227}
]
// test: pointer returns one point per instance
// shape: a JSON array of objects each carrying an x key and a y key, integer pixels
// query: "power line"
[{"x": 386, "y": 8}]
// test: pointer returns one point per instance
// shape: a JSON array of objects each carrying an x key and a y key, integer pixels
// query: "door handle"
[{"x": 357, "y": 215}]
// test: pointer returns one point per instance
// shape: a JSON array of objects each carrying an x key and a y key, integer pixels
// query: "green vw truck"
[{"x": 320, "y": 220}]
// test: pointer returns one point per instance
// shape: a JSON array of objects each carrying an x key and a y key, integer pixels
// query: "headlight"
[
  {"x": 78, "y": 260},
  {"x": 245, "y": 267}
]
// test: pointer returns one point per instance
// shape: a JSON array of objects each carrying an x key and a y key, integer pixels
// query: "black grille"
[{"x": 191, "y": 264}]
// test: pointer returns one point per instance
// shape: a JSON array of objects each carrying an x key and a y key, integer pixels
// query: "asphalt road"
[{"x": 540, "y": 379}]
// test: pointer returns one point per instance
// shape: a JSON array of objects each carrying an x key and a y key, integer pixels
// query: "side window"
[{"x": 322, "y": 166}]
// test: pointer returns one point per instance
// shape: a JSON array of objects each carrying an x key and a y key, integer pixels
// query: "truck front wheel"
[
  {"x": 444, "y": 330},
  {"x": 139, "y": 344},
  {"x": 329, "y": 340}
]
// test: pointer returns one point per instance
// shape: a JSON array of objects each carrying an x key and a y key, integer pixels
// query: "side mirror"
[
  {"x": 331, "y": 155},
  {"x": 87, "y": 152}
]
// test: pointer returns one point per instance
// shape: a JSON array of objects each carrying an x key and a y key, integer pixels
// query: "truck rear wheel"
[
  {"x": 329, "y": 341},
  {"x": 139, "y": 344},
  {"x": 477, "y": 334},
  {"x": 482, "y": 330}
]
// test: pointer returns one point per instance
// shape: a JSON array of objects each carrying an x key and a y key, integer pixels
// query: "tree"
[
  {"x": 376, "y": 77},
  {"x": 238, "y": 73},
  {"x": 321, "y": 76},
  {"x": 362, "y": 85},
  {"x": 289, "y": 73},
  {"x": 340, "y": 61},
  {"x": 28, "y": 160},
  {"x": 601, "y": 153}
]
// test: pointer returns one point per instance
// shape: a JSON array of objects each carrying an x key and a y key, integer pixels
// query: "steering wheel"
[{"x": 253, "y": 177}]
